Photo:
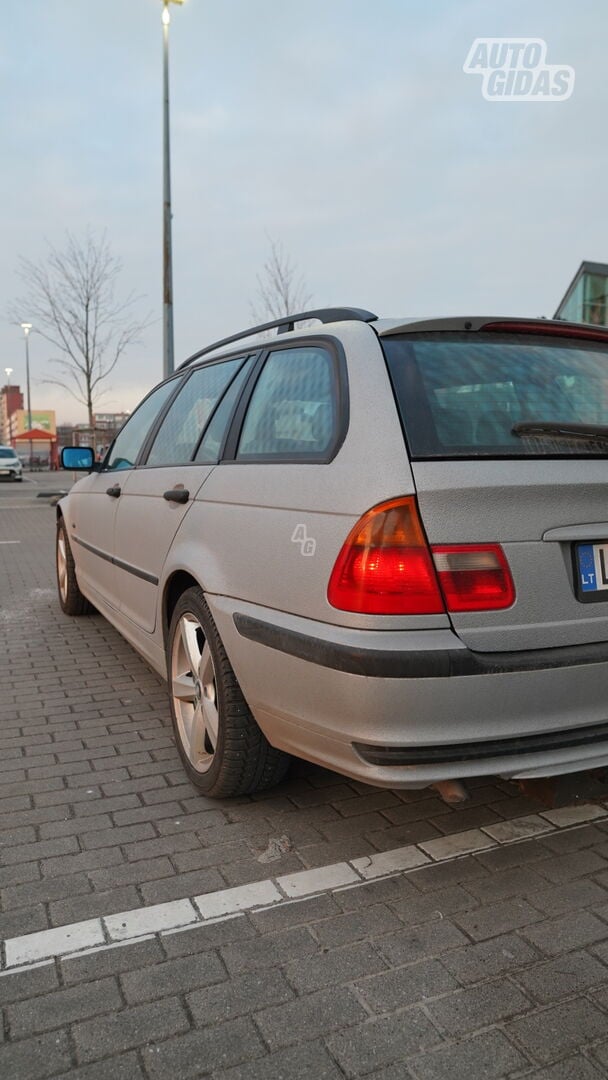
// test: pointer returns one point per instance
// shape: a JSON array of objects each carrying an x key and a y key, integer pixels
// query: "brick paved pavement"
[{"x": 491, "y": 966}]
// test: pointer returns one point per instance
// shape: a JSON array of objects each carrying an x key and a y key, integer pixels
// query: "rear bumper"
[
  {"x": 407, "y": 709},
  {"x": 420, "y": 664}
]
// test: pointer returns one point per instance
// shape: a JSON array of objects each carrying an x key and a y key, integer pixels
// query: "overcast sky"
[{"x": 346, "y": 130}]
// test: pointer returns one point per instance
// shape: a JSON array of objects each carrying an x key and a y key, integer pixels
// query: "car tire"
[
  {"x": 223, "y": 750},
  {"x": 70, "y": 597}
]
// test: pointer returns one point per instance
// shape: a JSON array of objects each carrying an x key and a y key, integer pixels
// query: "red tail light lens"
[
  {"x": 385, "y": 566},
  {"x": 474, "y": 577}
]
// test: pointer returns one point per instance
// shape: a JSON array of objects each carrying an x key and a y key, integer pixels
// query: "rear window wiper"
[{"x": 587, "y": 432}]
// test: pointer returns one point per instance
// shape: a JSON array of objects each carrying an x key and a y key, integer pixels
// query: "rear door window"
[
  {"x": 293, "y": 412},
  {"x": 462, "y": 395}
]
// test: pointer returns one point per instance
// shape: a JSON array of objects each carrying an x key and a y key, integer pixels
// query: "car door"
[
  {"x": 158, "y": 495},
  {"x": 93, "y": 502}
]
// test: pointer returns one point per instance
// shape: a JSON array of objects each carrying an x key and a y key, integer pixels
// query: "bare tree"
[
  {"x": 281, "y": 288},
  {"x": 71, "y": 300}
]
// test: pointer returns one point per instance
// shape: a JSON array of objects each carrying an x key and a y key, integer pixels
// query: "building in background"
[
  {"x": 107, "y": 426},
  {"x": 42, "y": 419},
  {"x": 11, "y": 400},
  {"x": 586, "y": 296}
]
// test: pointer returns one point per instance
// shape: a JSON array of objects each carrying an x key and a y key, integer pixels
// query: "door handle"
[
  {"x": 114, "y": 491},
  {"x": 177, "y": 495}
]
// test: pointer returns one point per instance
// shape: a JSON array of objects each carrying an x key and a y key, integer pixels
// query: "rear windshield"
[
  {"x": 460, "y": 395},
  {"x": 6, "y": 453}
]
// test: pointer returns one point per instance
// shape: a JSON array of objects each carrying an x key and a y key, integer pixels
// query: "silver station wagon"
[{"x": 377, "y": 544}]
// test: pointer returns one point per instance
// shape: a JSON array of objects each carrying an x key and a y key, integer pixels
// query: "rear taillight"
[
  {"x": 474, "y": 577},
  {"x": 386, "y": 568}
]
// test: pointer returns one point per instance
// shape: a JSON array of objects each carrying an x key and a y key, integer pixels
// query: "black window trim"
[{"x": 334, "y": 347}]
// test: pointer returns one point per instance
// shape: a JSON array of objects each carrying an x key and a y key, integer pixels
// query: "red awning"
[{"x": 36, "y": 435}]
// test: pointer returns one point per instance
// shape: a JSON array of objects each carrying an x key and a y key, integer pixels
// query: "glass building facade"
[{"x": 586, "y": 299}]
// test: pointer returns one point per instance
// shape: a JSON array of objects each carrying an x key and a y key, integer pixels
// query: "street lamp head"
[
  {"x": 26, "y": 327},
  {"x": 9, "y": 372}
]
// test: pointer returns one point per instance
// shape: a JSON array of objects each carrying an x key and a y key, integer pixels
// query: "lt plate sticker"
[{"x": 593, "y": 567}]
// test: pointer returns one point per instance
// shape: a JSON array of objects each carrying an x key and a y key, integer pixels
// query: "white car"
[{"x": 10, "y": 466}]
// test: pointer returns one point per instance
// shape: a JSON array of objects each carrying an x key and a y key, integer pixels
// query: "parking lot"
[{"x": 383, "y": 934}]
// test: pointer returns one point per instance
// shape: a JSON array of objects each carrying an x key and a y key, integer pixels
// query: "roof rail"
[{"x": 286, "y": 323}]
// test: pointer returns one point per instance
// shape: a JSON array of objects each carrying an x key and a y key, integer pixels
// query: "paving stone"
[
  {"x": 352, "y": 926},
  {"x": 181, "y": 885},
  {"x": 63, "y": 1007},
  {"x": 489, "y": 958},
  {"x": 575, "y": 864},
  {"x": 479, "y": 1006},
  {"x": 219, "y": 1047},
  {"x": 383, "y": 1041},
  {"x": 112, "y": 961},
  {"x": 328, "y": 968},
  {"x": 35, "y": 1058},
  {"x": 420, "y": 942},
  {"x": 552, "y": 1033},
  {"x": 569, "y": 974},
  {"x": 238, "y": 996},
  {"x": 303, "y": 1062},
  {"x": 485, "y": 1057},
  {"x": 124, "y": 1067},
  {"x": 405, "y": 986},
  {"x": 268, "y": 951},
  {"x": 308, "y": 1017},
  {"x": 491, "y": 920},
  {"x": 131, "y": 873},
  {"x": 28, "y": 983},
  {"x": 572, "y": 896},
  {"x": 91, "y": 904},
  {"x": 207, "y": 936},
  {"x": 172, "y": 977},
  {"x": 555, "y": 936},
  {"x": 133, "y": 1027},
  {"x": 438, "y": 905},
  {"x": 572, "y": 1068},
  {"x": 391, "y": 890},
  {"x": 299, "y": 912}
]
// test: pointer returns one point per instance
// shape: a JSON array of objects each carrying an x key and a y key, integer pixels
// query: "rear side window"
[
  {"x": 461, "y": 395},
  {"x": 293, "y": 412},
  {"x": 181, "y": 429}
]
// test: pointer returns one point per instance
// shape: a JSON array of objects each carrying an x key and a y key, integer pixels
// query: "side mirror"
[{"x": 77, "y": 458}]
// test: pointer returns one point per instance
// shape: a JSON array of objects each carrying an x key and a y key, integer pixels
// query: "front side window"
[
  {"x": 186, "y": 419},
  {"x": 293, "y": 412},
  {"x": 126, "y": 447},
  {"x": 7, "y": 454},
  {"x": 476, "y": 395}
]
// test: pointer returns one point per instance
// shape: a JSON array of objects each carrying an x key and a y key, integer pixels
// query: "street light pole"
[
  {"x": 168, "y": 353},
  {"x": 26, "y": 327}
]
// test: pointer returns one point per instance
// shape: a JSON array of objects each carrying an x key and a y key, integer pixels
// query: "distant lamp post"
[
  {"x": 26, "y": 327},
  {"x": 168, "y": 352}
]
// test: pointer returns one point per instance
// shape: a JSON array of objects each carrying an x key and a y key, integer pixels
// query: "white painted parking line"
[
  {"x": 241, "y": 898},
  {"x": 461, "y": 843},
  {"x": 574, "y": 815},
  {"x": 389, "y": 862},
  {"x": 96, "y": 935},
  {"x": 518, "y": 828},
  {"x": 61, "y": 939},
  {"x": 10, "y": 541},
  {"x": 149, "y": 920},
  {"x": 307, "y": 882}
]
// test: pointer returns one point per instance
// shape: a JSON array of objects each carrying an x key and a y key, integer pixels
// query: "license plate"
[{"x": 591, "y": 562}]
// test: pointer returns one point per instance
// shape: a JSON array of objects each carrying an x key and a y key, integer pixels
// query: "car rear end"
[
  {"x": 466, "y": 621},
  {"x": 10, "y": 465}
]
